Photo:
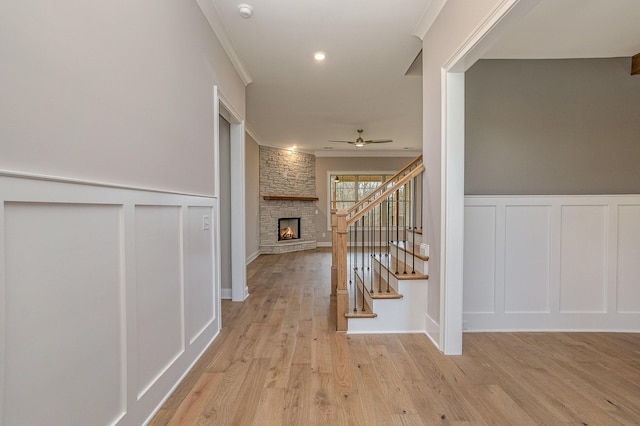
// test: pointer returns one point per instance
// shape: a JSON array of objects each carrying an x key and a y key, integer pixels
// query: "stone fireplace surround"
[{"x": 287, "y": 189}]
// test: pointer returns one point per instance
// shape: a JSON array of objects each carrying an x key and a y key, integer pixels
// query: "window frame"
[{"x": 384, "y": 174}]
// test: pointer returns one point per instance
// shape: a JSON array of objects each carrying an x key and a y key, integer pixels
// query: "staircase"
[{"x": 379, "y": 268}]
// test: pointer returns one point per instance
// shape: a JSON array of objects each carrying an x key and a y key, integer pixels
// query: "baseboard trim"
[
  {"x": 225, "y": 293},
  {"x": 432, "y": 330},
  {"x": 253, "y": 256},
  {"x": 175, "y": 386}
]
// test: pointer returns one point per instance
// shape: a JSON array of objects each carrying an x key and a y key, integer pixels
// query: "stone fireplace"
[{"x": 287, "y": 200}]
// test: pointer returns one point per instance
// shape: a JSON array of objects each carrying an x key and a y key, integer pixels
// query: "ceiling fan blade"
[
  {"x": 380, "y": 141},
  {"x": 342, "y": 141}
]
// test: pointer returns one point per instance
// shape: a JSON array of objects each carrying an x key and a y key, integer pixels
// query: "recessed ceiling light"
[
  {"x": 319, "y": 56},
  {"x": 245, "y": 11}
]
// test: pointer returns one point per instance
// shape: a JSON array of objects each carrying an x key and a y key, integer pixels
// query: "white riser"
[{"x": 404, "y": 315}]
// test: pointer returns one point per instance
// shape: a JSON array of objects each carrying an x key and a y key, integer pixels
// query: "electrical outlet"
[
  {"x": 324, "y": 234},
  {"x": 205, "y": 223}
]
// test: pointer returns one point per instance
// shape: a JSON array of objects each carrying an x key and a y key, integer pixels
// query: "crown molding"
[
  {"x": 213, "y": 17},
  {"x": 429, "y": 16}
]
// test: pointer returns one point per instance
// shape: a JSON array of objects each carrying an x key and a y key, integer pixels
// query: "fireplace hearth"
[{"x": 288, "y": 228}]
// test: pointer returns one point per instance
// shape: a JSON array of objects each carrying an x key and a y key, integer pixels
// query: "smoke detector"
[{"x": 245, "y": 11}]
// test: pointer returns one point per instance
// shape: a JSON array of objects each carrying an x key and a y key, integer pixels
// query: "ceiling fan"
[{"x": 359, "y": 143}]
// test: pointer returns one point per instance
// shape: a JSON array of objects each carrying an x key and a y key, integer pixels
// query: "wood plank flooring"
[{"x": 278, "y": 362}]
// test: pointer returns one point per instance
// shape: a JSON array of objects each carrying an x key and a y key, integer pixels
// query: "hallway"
[{"x": 277, "y": 361}]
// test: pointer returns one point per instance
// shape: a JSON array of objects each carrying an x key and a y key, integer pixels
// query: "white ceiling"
[
  {"x": 573, "y": 29},
  {"x": 292, "y": 100}
]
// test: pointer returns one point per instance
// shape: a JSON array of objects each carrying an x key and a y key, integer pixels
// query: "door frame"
[{"x": 239, "y": 288}]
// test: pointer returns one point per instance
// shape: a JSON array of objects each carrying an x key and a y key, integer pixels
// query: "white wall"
[
  {"x": 454, "y": 24},
  {"x": 118, "y": 92},
  {"x": 107, "y": 297},
  {"x": 108, "y": 294},
  {"x": 548, "y": 263}
]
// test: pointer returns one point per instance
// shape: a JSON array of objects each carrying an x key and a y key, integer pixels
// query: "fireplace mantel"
[{"x": 288, "y": 198}]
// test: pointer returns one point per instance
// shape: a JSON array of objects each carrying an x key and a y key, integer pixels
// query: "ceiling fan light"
[{"x": 359, "y": 144}]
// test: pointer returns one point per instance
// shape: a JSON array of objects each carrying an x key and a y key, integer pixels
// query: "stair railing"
[{"x": 386, "y": 214}]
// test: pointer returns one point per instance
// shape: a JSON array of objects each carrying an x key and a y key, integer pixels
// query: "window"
[{"x": 347, "y": 189}]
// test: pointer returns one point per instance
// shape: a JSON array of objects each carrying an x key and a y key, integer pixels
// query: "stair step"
[
  {"x": 357, "y": 310},
  {"x": 379, "y": 283},
  {"x": 390, "y": 264},
  {"x": 411, "y": 249},
  {"x": 359, "y": 314}
]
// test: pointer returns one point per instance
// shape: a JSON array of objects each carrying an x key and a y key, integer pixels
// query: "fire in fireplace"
[{"x": 288, "y": 228}]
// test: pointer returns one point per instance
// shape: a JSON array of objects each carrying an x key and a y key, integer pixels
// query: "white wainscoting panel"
[
  {"x": 583, "y": 259},
  {"x": 160, "y": 319},
  {"x": 552, "y": 263},
  {"x": 64, "y": 319},
  {"x": 480, "y": 257},
  {"x": 108, "y": 296},
  {"x": 199, "y": 294},
  {"x": 527, "y": 252},
  {"x": 628, "y": 276}
]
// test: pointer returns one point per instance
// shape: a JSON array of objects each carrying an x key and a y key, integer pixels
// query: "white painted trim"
[
  {"x": 182, "y": 377},
  {"x": 383, "y": 332},
  {"x": 238, "y": 223},
  {"x": 210, "y": 12},
  {"x": 3, "y": 319},
  {"x": 429, "y": 16},
  {"x": 253, "y": 256},
  {"x": 501, "y": 16},
  {"x": 225, "y": 294},
  {"x": 591, "y": 298},
  {"x": 59, "y": 179},
  {"x": 40, "y": 191},
  {"x": 432, "y": 330},
  {"x": 453, "y": 213}
]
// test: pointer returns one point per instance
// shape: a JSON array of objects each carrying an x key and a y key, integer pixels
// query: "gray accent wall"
[{"x": 569, "y": 126}]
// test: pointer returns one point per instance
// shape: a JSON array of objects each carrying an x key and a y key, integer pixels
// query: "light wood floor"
[{"x": 277, "y": 362}]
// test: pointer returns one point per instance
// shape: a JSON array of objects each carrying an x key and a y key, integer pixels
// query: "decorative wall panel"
[
  {"x": 64, "y": 324},
  {"x": 158, "y": 290},
  {"x": 628, "y": 277},
  {"x": 480, "y": 257},
  {"x": 527, "y": 258},
  {"x": 583, "y": 259},
  {"x": 565, "y": 263},
  {"x": 95, "y": 285},
  {"x": 199, "y": 289}
]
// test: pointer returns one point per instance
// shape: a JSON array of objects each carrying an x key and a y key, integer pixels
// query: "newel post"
[
  {"x": 342, "y": 293},
  {"x": 334, "y": 251}
]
